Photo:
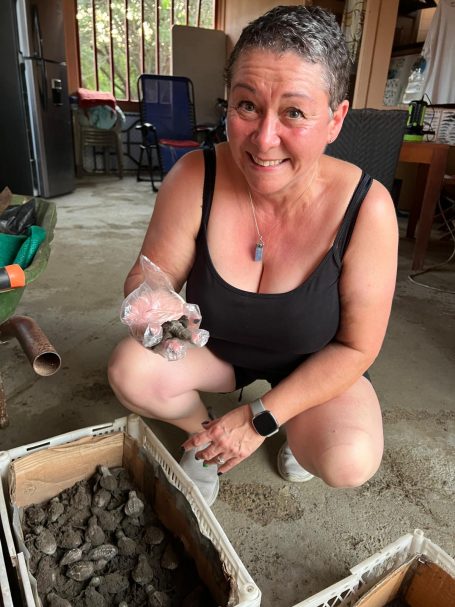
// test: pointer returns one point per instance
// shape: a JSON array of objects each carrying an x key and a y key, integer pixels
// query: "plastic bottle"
[{"x": 414, "y": 88}]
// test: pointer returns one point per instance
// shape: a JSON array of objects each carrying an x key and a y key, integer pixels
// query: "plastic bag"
[
  {"x": 18, "y": 218},
  {"x": 159, "y": 318}
]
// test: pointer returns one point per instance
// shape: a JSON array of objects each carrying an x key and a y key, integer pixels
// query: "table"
[{"x": 432, "y": 160}]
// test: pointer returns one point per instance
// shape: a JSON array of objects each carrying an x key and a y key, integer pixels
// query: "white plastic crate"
[
  {"x": 6, "y": 598},
  {"x": 244, "y": 592},
  {"x": 6, "y": 457},
  {"x": 367, "y": 573}
]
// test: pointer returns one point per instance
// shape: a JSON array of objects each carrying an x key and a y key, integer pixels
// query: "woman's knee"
[
  {"x": 349, "y": 464},
  {"x": 120, "y": 367},
  {"x": 132, "y": 380}
]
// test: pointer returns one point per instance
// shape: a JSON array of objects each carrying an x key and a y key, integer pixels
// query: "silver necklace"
[{"x": 259, "y": 249}]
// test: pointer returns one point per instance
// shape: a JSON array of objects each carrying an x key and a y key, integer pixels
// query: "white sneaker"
[
  {"x": 205, "y": 478},
  {"x": 289, "y": 468}
]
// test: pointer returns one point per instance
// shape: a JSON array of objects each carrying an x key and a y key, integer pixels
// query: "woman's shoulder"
[
  {"x": 339, "y": 170},
  {"x": 345, "y": 176}
]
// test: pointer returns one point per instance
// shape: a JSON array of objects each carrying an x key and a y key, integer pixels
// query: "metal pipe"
[{"x": 40, "y": 352}]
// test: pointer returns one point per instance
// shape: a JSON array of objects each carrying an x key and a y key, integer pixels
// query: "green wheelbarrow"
[{"x": 40, "y": 352}]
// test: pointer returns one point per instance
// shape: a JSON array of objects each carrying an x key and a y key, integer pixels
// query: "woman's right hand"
[
  {"x": 145, "y": 306},
  {"x": 228, "y": 439},
  {"x": 145, "y": 310}
]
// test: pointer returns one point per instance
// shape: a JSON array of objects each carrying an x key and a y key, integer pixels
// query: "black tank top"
[{"x": 269, "y": 331}]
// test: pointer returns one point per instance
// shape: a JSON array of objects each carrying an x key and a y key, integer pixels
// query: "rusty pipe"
[
  {"x": 40, "y": 352},
  {"x": 4, "y": 420}
]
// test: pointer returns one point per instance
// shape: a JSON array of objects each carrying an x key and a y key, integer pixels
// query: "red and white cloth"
[{"x": 88, "y": 99}]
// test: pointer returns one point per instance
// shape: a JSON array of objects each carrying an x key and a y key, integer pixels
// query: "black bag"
[{"x": 18, "y": 218}]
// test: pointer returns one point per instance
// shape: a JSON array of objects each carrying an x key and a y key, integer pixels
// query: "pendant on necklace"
[{"x": 258, "y": 251}]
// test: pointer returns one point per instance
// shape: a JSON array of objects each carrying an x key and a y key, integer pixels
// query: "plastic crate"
[
  {"x": 244, "y": 592},
  {"x": 370, "y": 571},
  {"x": 6, "y": 598}
]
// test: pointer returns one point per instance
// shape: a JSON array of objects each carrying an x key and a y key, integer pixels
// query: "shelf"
[{"x": 410, "y": 6}]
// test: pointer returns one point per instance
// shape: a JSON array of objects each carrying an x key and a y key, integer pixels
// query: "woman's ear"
[{"x": 336, "y": 122}]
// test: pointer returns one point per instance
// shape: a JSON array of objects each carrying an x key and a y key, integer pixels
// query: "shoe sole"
[
  {"x": 290, "y": 477},
  {"x": 215, "y": 494}
]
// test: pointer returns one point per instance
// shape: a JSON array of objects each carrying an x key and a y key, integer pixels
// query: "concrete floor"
[{"x": 295, "y": 540}]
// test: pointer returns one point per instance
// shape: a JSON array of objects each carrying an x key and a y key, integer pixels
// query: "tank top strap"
[
  {"x": 347, "y": 225},
  {"x": 209, "y": 183}
]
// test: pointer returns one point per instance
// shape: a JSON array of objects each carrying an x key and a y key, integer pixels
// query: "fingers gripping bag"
[{"x": 159, "y": 318}]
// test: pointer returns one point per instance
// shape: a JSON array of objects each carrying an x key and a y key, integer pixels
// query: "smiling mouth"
[{"x": 266, "y": 163}]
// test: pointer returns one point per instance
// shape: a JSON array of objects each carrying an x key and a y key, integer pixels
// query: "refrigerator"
[{"x": 36, "y": 142}]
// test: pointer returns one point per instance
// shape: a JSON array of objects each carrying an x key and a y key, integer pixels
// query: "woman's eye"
[
  {"x": 247, "y": 106},
  {"x": 294, "y": 113}
]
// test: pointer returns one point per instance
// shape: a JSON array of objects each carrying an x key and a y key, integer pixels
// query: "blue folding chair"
[{"x": 167, "y": 121}]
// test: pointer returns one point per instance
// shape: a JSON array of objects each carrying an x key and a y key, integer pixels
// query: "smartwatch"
[{"x": 263, "y": 420}]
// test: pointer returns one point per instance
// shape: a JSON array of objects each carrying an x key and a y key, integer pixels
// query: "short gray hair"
[{"x": 311, "y": 32}]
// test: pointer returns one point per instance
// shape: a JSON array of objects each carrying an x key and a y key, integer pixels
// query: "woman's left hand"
[{"x": 231, "y": 437}]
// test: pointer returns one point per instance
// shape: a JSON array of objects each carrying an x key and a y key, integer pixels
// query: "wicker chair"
[{"x": 372, "y": 140}]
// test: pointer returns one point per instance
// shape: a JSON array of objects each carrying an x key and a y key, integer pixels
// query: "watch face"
[{"x": 265, "y": 424}]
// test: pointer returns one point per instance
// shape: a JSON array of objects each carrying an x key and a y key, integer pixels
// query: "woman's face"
[{"x": 278, "y": 120}]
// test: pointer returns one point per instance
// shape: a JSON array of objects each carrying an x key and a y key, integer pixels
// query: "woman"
[{"x": 292, "y": 260}]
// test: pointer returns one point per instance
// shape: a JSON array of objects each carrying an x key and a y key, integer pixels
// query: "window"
[{"x": 121, "y": 39}]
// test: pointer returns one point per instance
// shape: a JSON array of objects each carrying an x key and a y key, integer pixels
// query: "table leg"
[
  {"x": 430, "y": 198},
  {"x": 416, "y": 207}
]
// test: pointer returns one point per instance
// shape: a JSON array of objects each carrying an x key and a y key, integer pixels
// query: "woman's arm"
[
  {"x": 170, "y": 238},
  {"x": 367, "y": 285}
]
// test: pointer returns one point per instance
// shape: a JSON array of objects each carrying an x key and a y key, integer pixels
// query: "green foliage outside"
[{"x": 141, "y": 29}]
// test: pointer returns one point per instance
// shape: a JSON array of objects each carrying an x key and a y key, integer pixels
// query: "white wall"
[{"x": 200, "y": 54}]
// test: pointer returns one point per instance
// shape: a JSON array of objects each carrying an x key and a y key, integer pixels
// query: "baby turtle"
[
  {"x": 45, "y": 541},
  {"x": 71, "y": 556},
  {"x": 115, "y": 582},
  {"x": 94, "y": 534},
  {"x": 176, "y": 328},
  {"x": 105, "y": 552},
  {"x": 80, "y": 571},
  {"x": 126, "y": 545},
  {"x": 55, "y": 510},
  {"x": 94, "y": 598},
  {"x": 107, "y": 480},
  {"x": 34, "y": 515},
  {"x": 153, "y": 535},
  {"x": 142, "y": 574},
  {"x": 54, "y": 600},
  {"x": 134, "y": 506},
  {"x": 70, "y": 538},
  {"x": 102, "y": 498},
  {"x": 169, "y": 559}
]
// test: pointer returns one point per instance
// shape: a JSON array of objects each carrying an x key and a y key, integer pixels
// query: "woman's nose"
[{"x": 266, "y": 134}]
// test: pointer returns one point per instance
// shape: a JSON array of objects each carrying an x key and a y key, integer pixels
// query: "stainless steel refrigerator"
[{"x": 36, "y": 146}]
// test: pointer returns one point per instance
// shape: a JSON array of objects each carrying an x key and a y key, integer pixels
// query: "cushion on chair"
[{"x": 180, "y": 143}]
